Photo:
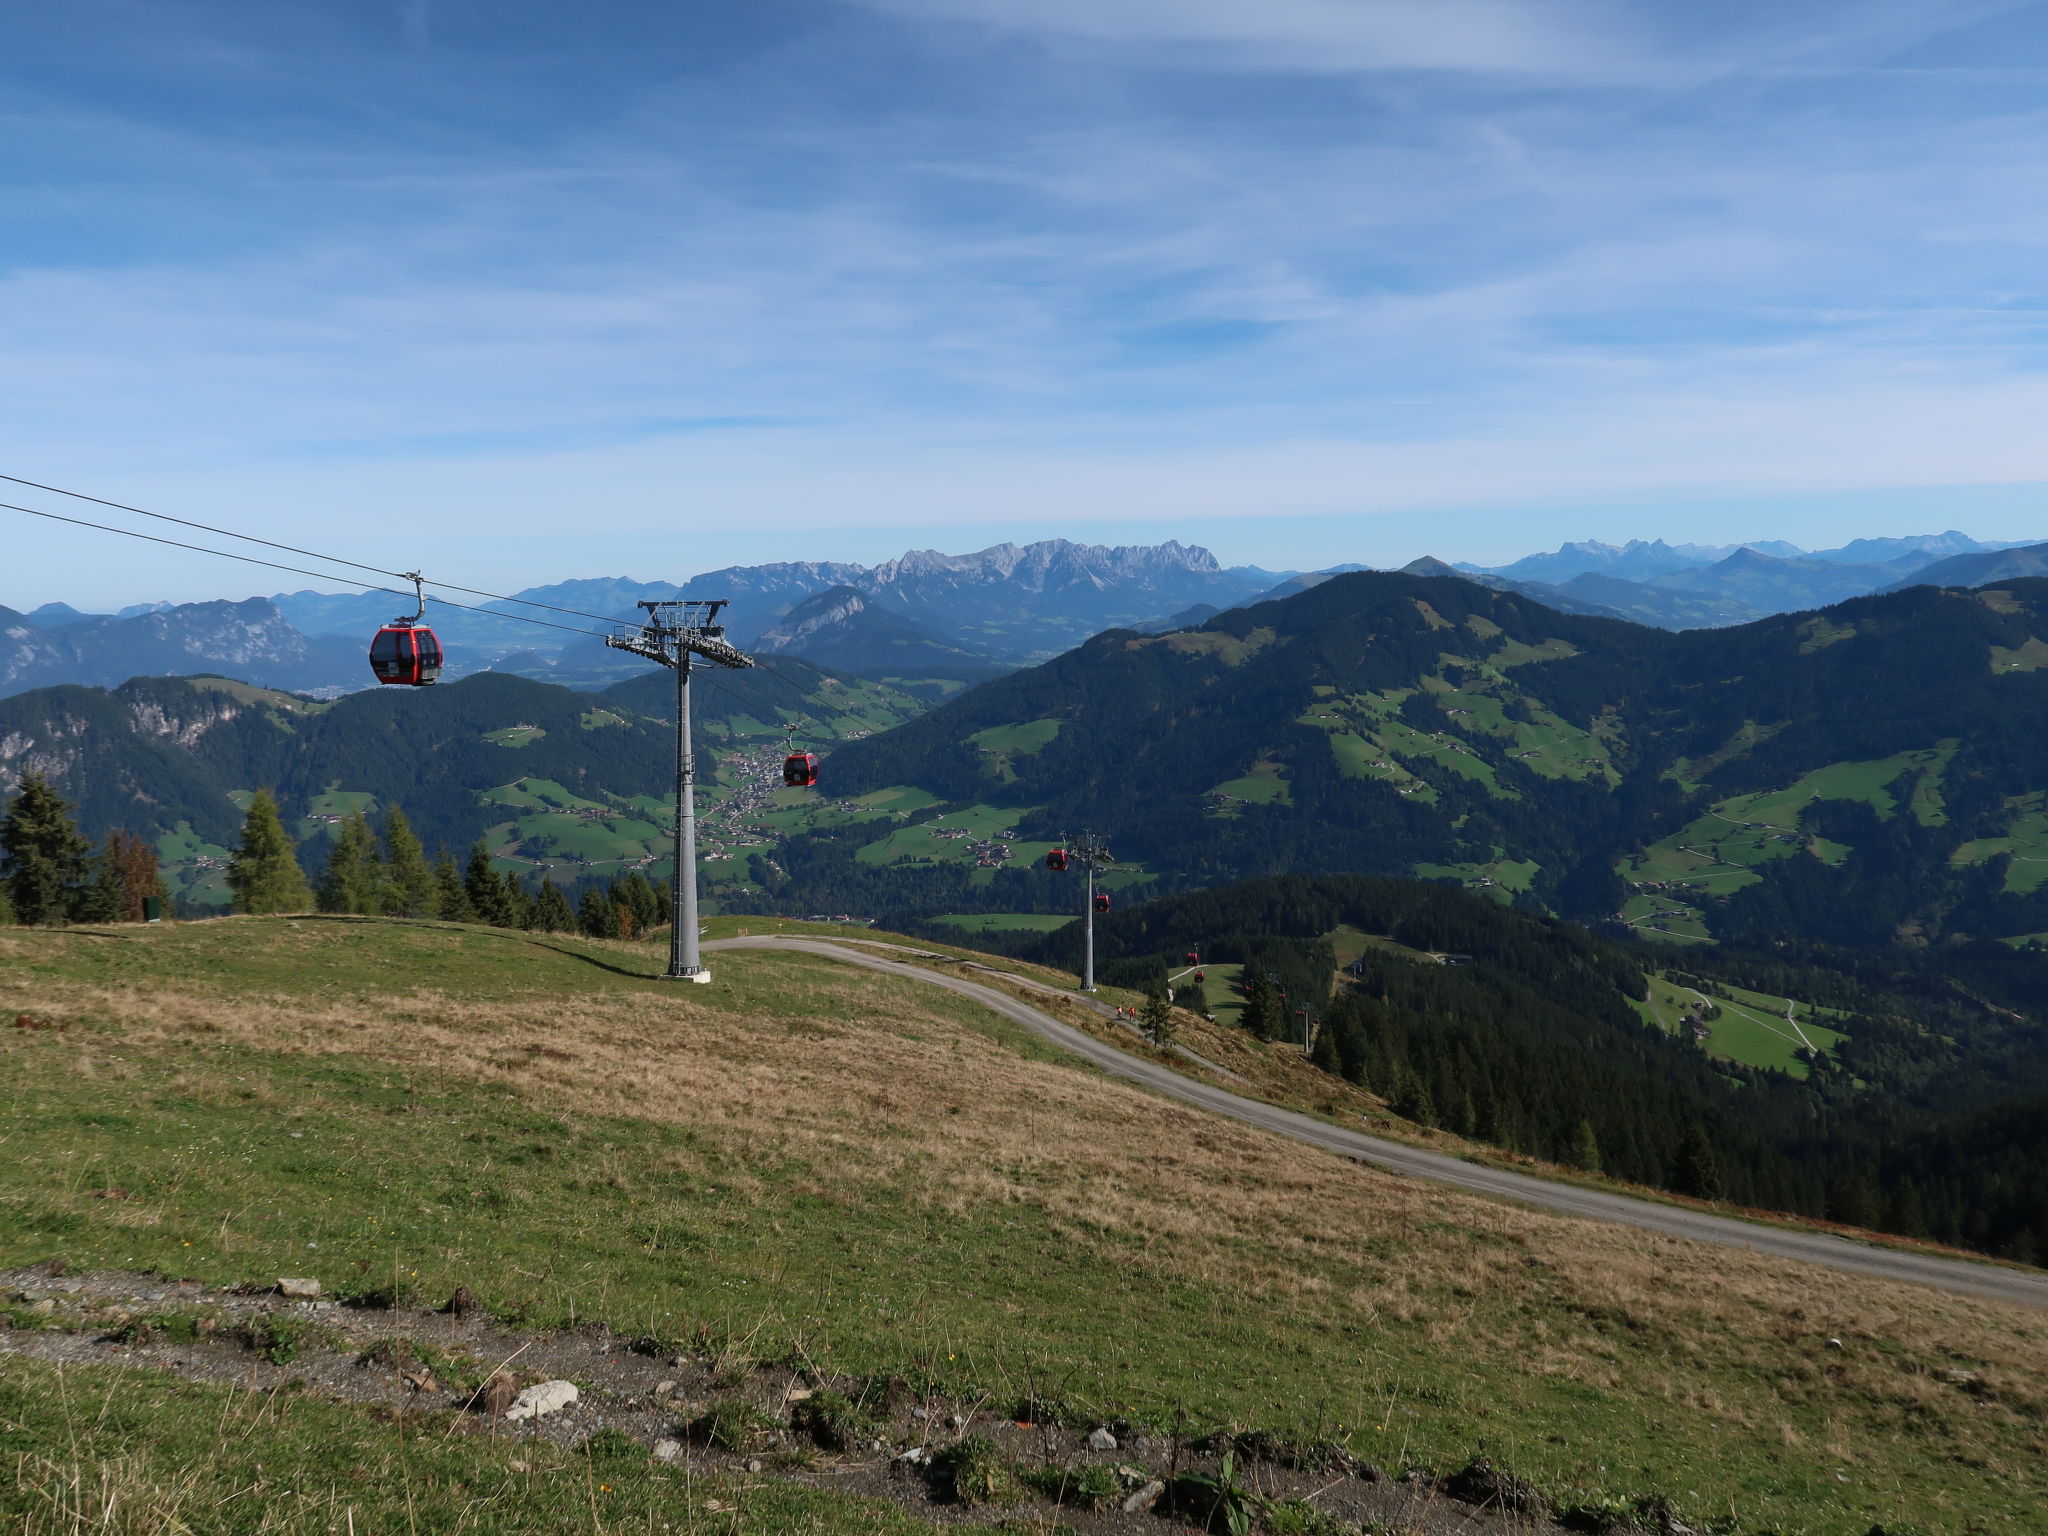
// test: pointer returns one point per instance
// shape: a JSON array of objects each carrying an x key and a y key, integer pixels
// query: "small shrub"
[
  {"x": 1053, "y": 1412},
  {"x": 1089, "y": 1486},
  {"x": 276, "y": 1338},
  {"x": 612, "y": 1445},
  {"x": 1296, "y": 1517},
  {"x": 833, "y": 1421},
  {"x": 972, "y": 1471},
  {"x": 732, "y": 1425},
  {"x": 172, "y": 1327}
]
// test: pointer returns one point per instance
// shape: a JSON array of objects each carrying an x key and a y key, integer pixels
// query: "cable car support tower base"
[{"x": 674, "y": 634}]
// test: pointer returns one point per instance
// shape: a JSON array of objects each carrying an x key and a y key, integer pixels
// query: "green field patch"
[
  {"x": 519, "y": 735},
  {"x": 1517, "y": 653},
  {"x": 2031, "y": 656},
  {"x": 1820, "y": 632},
  {"x": 1405, "y": 740},
  {"x": 1018, "y": 740},
  {"x": 1752, "y": 1029},
  {"x": 328, "y": 809},
  {"x": 1716, "y": 853},
  {"x": 539, "y": 795},
  {"x": 599, "y": 719},
  {"x": 2025, "y": 840},
  {"x": 1005, "y": 922},
  {"x": 1502, "y": 878},
  {"x": 950, "y": 839},
  {"x": 1226, "y": 648},
  {"x": 1266, "y": 784},
  {"x": 193, "y": 869},
  {"x": 1659, "y": 916}
]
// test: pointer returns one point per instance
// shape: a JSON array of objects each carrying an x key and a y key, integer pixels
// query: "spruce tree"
[
  {"x": 1324, "y": 1053},
  {"x": 551, "y": 911},
  {"x": 353, "y": 878},
  {"x": 641, "y": 900},
  {"x": 408, "y": 880},
  {"x": 1260, "y": 1018},
  {"x": 451, "y": 897},
  {"x": 6, "y": 907},
  {"x": 263, "y": 871},
  {"x": 42, "y": 855},
  {"x": 1413, "y": 1101},
  {"x": 1155, "y": 1018},
  {"x": 518, "y": 902},
  {"x": 598, "y": 914},
  {"x": 1696, "y": 1171},
  {"x": 1585, "y": 1148},
  {"x": 480, "y": 883},
  {"x": 102, "y": 901}
]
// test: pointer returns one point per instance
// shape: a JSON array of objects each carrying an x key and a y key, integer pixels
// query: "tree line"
[{"x": 49, "y": 874}]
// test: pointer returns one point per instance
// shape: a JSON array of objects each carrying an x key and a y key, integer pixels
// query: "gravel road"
[{"x": 2019, "y": 1287}]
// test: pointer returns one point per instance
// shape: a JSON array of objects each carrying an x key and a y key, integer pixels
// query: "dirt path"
[{"x": 2019, "y": 1287}]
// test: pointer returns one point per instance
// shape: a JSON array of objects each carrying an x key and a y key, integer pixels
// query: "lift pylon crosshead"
[{"x": 676, "y": 633}]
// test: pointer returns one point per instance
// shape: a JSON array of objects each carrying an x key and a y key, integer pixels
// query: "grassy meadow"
[{"x": 889, "y": 1178}]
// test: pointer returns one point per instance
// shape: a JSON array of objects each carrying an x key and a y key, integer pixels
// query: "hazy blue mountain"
[
  {"x": 1771, "y": 584},
  {"x": 1663, "y": 607},
  {"x": 250, "y": 640},
  {"x": 58, "y": 615},
  {"x": 1914, "y": 550},
  {"x": 1975, "y": 570},
  {"x": 857, "y": 634},
  {"x": 1637, "y": 560}
]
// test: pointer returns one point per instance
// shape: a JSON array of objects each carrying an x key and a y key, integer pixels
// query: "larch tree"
[
  {"x": 43, "y": 859},
  {"x": 408, "y": 878},
  {"x": 263, "y": 871}
]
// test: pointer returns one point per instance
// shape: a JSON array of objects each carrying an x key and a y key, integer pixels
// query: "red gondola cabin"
[
  {"x": 800, "y": 770},
  {"x": 1194, "y": 958},
  {"x": 1102, "y": 901},
  {"x": 406, "y": 653},
  {"x": 1201, "y": 976},
  {"x": 1056, "y": 860}
]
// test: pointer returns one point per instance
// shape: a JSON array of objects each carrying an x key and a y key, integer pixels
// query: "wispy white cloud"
[{"x": 888, "y": 271}]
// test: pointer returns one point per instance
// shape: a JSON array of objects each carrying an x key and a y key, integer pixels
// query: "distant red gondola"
[
  {"x": 1056, "y": 860},
  {"x": 1193, "y": 958},
  {"x": 1102, "y": 901},
  {"x": 1201, "y": 976},
  {"x": 800, "y": 770},
  {"x": 405, "y": 650}
]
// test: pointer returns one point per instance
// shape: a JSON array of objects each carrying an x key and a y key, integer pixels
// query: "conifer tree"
[
  {"x": 641, "y": 900},
  {"x": 517, "y": 901},
  {"x": 263, "y": 871},
  {"x": 42, "y": 855},
  {"x": 408, "y": 880},
  {"x": 1261, "y": 1015},
  {"x": 597, "y": 914},
  {"x": 1696, "y": 1171},
  {"x": 1413, "y": 1101},
  {"x": 1585, "y": 1148},
  {"x": 1324, "y": 1053},
  {"x": 485, "y": 891},
  {"x": 101, "y": 901},
  {"x": 6, "y": 907},
  {"x": 451, "y": 897},
  {"x": 1155, "y": 1018},
  {"x": 551, "y": 911},
  {"x": 353, "y": 878}
]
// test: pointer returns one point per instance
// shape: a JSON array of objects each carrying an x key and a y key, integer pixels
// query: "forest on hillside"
[{"x": 1929, "y": 1119}]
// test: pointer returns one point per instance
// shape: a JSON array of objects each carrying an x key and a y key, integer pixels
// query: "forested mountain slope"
[
  {"x": 1868, "y": 772},
  {"x": 1923, "y": 1115},
  {"x": 579, "y": 784}
]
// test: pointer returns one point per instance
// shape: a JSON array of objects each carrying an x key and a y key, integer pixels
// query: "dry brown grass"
[{"x": 885, "y": 1086}]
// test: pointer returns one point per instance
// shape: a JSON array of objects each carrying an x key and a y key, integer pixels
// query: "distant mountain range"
[
  {"x": 936, "y": 622},
  {"x": 931, "y": 616}
]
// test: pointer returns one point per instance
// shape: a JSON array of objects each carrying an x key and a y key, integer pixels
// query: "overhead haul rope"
[
  {"x": 295, "y": 570},
  {"x": 311, "y": 554}
]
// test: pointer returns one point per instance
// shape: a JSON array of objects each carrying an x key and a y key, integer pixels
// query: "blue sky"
[{"x": 527, "y": 290}]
